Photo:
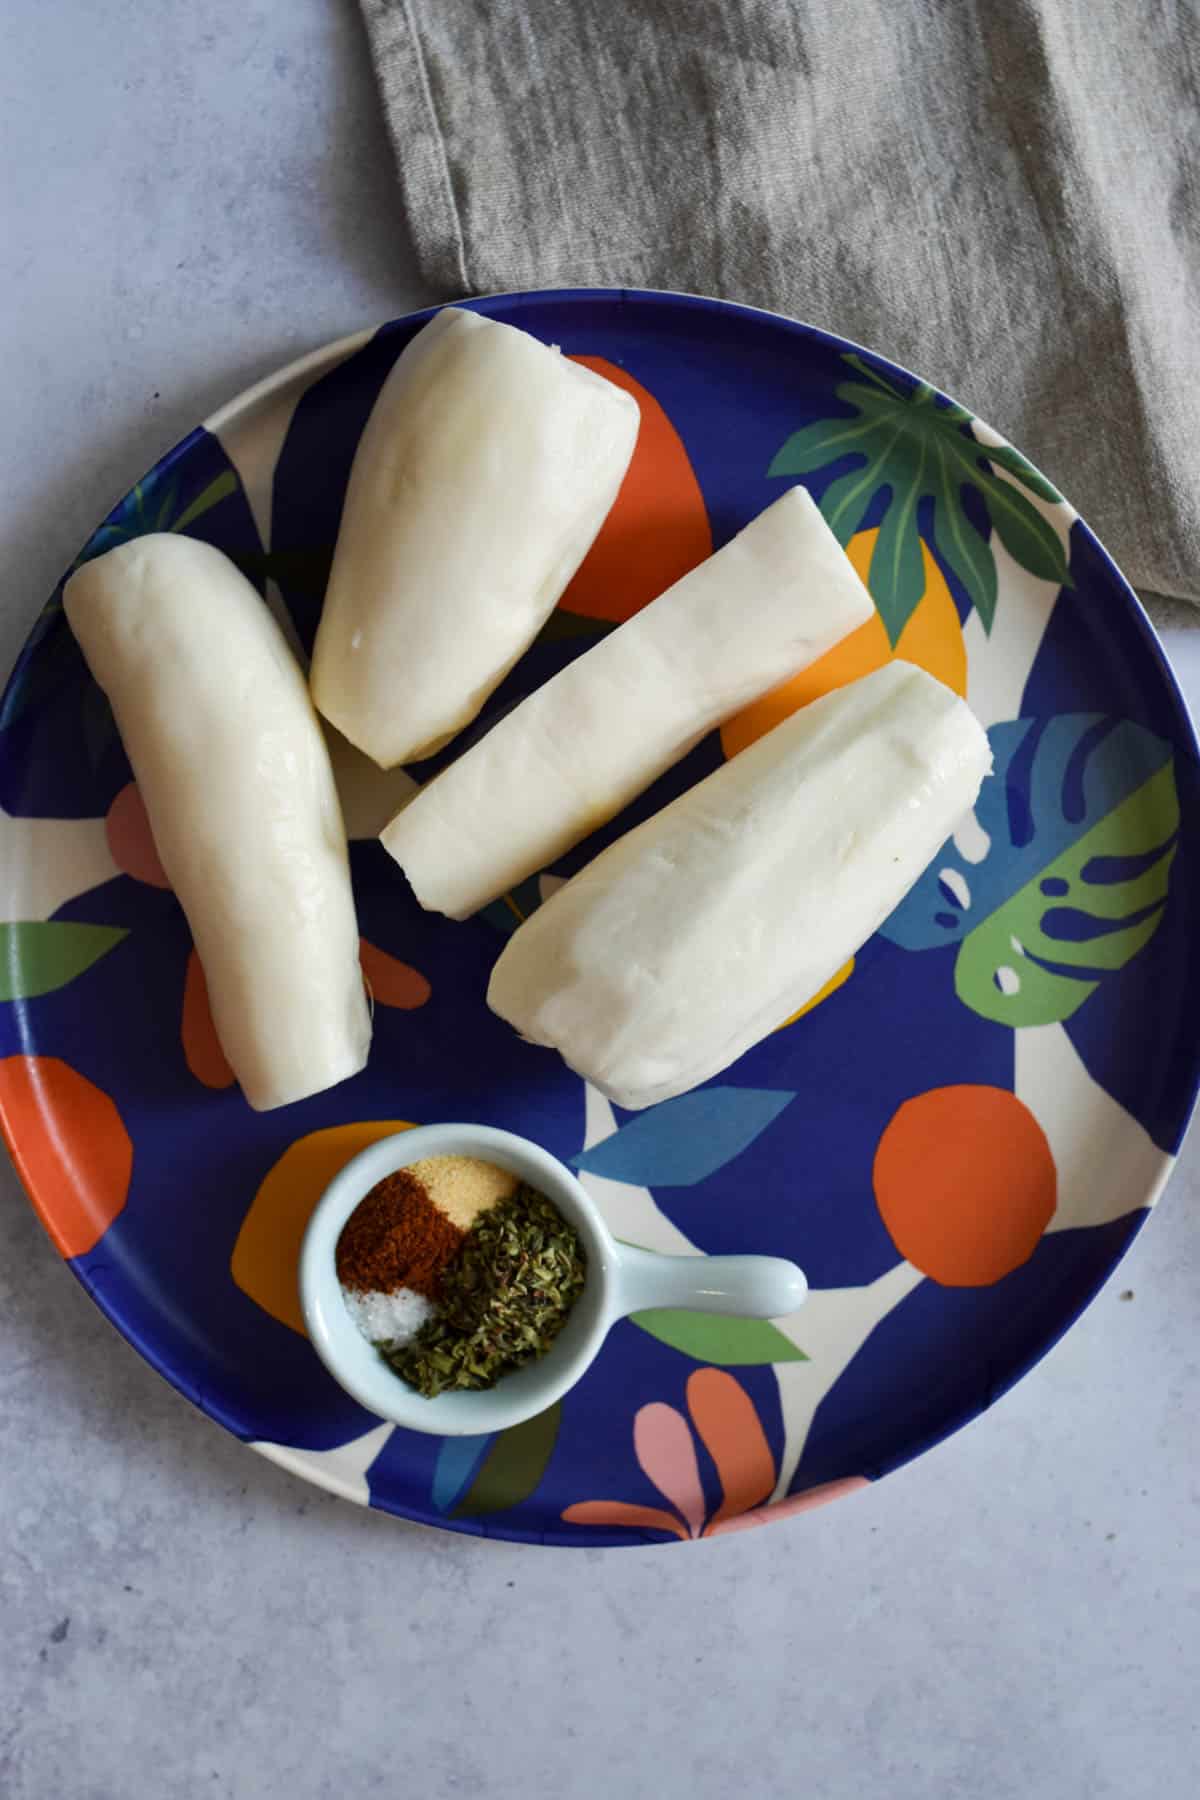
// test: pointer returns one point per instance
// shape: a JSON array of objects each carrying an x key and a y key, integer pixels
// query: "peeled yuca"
[
  {"x": 216, "y": 719},
  {"x": 770, "y": 602},
  {"x": 487, "y": 467},
  {"x": 703, "y": 929}
]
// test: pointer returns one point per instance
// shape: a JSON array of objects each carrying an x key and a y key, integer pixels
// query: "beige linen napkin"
[{"x": 1003, "y": 195}]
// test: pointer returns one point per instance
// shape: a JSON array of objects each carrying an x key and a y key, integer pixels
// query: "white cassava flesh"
[
  {"x": 581, "y": 747},
  {"x": 218, "y": 725},
  {"x": 703, "y": 929},
  {"x": 488, "y": 465}
]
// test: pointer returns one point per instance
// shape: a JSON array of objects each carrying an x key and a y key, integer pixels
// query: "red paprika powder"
[{"x": 396, "y": 1238}]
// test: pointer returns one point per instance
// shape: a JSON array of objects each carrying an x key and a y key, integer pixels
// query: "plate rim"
[{"x": 322, "y": 360}]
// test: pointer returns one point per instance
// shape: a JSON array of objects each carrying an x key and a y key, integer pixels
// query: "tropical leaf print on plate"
[
  {"x": 1065, "y": 877},
  {"x": 155, "y": 505},
  {"x": 721, "y": 1416},
  {"x": 921, "y": 448},
  {"x": 513, "y": 1467},
  {"x": 913, "y": 1324},
  {"x": 682, "y": 1141},
  {"x": 711, "y": 1338},
  {"x": 39, "y": 956}
]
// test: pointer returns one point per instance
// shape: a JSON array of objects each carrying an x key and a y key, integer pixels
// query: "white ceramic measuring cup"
[{"x": 620, "y": 1280}]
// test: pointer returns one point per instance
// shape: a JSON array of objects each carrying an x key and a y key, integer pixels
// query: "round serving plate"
[{"x": 957, "y": 1139}]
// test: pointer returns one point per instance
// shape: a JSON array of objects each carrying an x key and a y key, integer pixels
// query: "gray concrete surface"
[{"x": 191, "y": 196}]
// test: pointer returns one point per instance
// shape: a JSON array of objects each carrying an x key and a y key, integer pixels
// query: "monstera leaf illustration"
[
  {"x": 922, "y": 449},
  {"x": 1064, "y": 878}
]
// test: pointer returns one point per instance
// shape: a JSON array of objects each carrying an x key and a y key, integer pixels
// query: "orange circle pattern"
[{"x": 965, "y": 1184}]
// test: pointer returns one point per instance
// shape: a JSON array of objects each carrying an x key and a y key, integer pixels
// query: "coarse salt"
[{"x": 390, "y": 1319}]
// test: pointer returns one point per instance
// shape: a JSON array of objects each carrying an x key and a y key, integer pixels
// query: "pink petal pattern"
[
  {"x": 784, "y": 1509},
  {"x": 663, "y": 1444},
  {"x": 724, "y": 1417}
]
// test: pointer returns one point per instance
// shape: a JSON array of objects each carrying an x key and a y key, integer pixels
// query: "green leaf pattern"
[
  {"x": 513, "y": 1466},
  {"x": 1011, "y": 970},
  {"x": 920, "y": 448},
  {"x": 1080, "y": 821},
  {"x": 960, "y": 546},
  {"x": 727, "y": 1342},
  {"x": 39, "y": 956}
]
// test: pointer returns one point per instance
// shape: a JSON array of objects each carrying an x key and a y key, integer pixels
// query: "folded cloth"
[{"x": 1002, "y": 197}]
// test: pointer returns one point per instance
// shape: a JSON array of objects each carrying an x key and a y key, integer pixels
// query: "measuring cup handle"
[{"x": 748, "y": 1287}]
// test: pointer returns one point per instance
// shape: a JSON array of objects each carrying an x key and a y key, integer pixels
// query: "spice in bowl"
[{"x": 457, "y": 1272}]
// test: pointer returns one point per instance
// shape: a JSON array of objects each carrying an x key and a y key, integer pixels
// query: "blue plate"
[{"x": 957, "y": 1140}]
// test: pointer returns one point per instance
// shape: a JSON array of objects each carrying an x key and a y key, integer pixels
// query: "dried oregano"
[{"x": 503, "y": 1298}]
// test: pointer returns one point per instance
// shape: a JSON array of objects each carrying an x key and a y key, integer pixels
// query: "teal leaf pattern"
[
  {"x": 1013, "y": 463},
  {"x": 915, "y": 447},
  {"x": 709, "y": 1338},
  {"x": 1026, "y": 534},
  {"x": 38, "y": 957},
  {"x": 961, "y": 547},
  {"x": 897, "y": 566},
  {"x": 1082, "y": 818},
  {"x": 845, "y": 501},
  {"x": 685, "y": 1140}
]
